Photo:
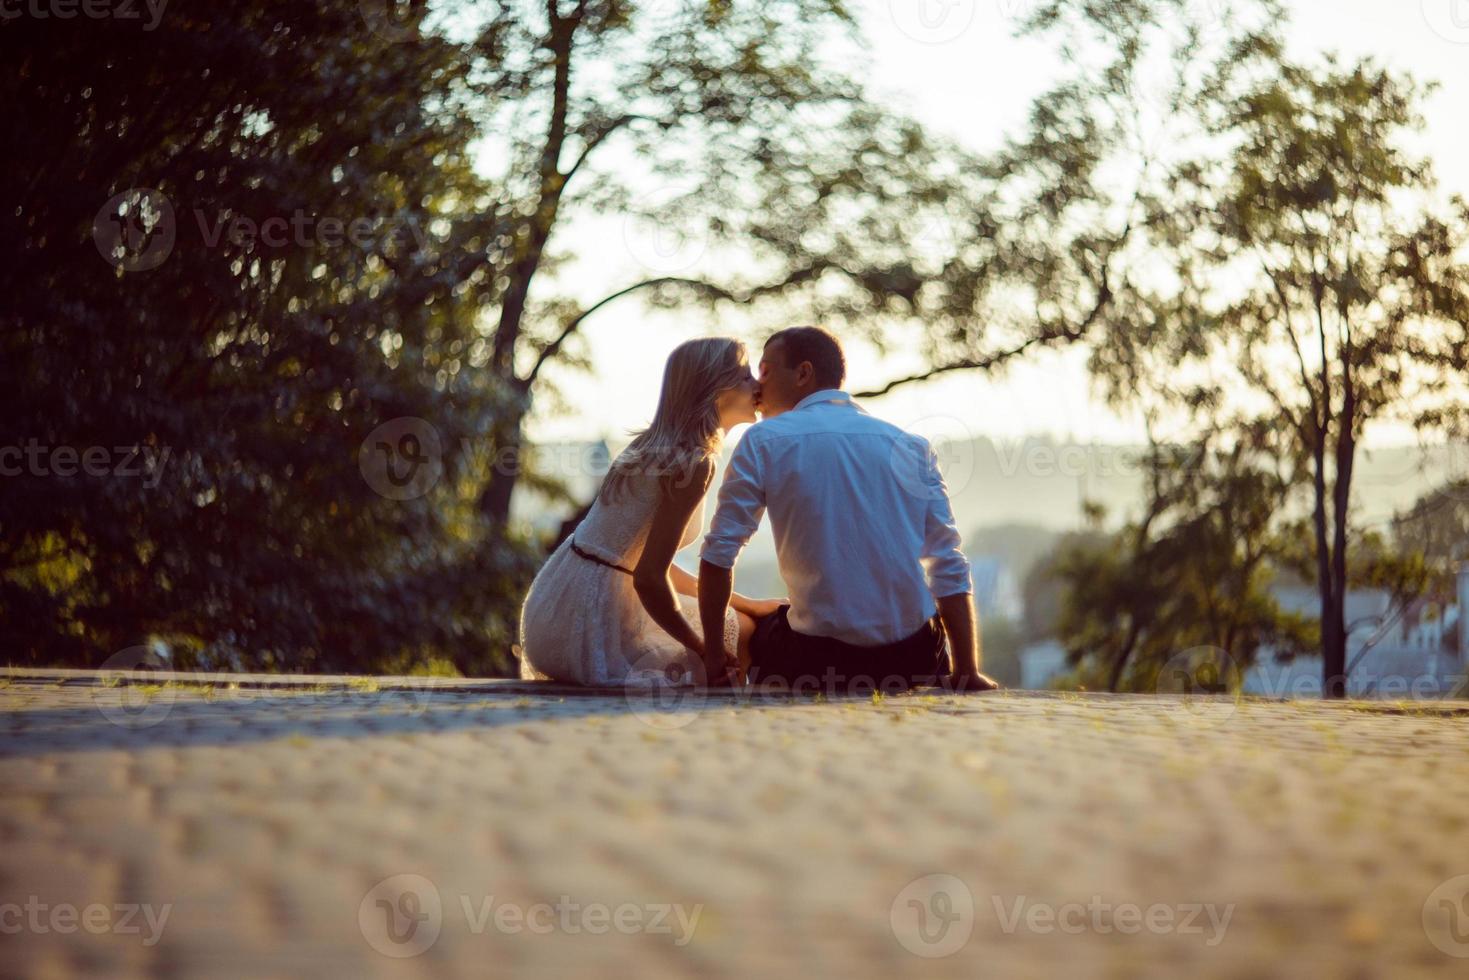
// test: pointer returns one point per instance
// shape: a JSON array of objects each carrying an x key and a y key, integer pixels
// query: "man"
[{"x": 864, "y": 535}]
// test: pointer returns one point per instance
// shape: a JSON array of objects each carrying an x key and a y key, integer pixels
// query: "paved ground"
[{"x": 333, "y": 830}]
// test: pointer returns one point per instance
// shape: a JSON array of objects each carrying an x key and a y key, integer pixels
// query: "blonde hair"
[{"x": 685, "y": 428}]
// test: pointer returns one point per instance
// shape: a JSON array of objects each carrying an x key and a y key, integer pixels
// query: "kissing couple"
[{"x": 880, "y": 596}]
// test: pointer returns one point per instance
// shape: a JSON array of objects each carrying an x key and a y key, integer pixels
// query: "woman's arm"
[
  {"x": 755, "y": 608},
  {"x": 685, "y": 583},
  {"x": 654, "y": 576}
]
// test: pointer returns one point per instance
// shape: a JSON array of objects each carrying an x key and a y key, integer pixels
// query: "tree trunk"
[
  {"x": 505, "y": 462},
  {"x": 1333, "y": 611},
  {"x": 1334, "y": 660},
  {"x": 1334, "y": 649},
  {"x": 494, "y": 501},
  {"x": 1123, "y": 656}
]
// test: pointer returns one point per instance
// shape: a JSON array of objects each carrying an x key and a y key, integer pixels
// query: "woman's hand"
[{"x": 757, "y": 608}]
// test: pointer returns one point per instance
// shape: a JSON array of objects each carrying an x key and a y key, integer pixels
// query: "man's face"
[{"x": 781, "y": 387}]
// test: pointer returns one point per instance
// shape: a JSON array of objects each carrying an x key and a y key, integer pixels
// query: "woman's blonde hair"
[{"x": 685, "y": 428}]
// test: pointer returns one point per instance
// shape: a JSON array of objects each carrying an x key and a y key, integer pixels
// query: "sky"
[{"x": 954, "y": 65}]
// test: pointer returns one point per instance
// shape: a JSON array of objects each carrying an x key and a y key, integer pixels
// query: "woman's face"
[{"x": 740, "y": 403}]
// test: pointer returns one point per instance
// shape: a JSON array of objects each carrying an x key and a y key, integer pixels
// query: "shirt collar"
[{"x": 824, "y": 395}]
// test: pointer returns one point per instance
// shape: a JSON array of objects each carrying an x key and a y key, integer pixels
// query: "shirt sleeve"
[
  {"x": 948, "y": 568},
  {"x": 741, "y": 505}
]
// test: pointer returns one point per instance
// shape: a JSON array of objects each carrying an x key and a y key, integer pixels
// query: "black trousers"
[{"x": 781, "y": 657}]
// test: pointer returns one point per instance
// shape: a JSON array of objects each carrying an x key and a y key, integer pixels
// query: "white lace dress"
[{"x": 583, "y": 623}]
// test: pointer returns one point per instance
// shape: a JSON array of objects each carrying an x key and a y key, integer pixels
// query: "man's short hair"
[{"x": 817, "y": 346}]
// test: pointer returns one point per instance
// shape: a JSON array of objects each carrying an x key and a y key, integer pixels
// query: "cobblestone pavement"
[{"x": 353, "y": 830}]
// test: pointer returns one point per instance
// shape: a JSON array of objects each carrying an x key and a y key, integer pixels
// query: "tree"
[
  {"x": 250, "y": 365},
  {"x": 1319, "y": 276},
  {"x": 809, "y": 194},
  {"x": 1193, "y": 570},
  {"x": 1437, "y": 527}
]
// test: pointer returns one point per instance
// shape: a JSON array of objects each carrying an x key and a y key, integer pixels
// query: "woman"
[{"x": 610, "y": 606}]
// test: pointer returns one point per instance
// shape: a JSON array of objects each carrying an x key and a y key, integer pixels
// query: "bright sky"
[{"x": 953, "y": 64}]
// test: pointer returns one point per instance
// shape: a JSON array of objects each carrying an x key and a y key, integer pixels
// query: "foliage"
[
  {"x": 1315, "y": 281},
  {"x": 257, "y": 362},
  {"x": 1193, "y": 571}
]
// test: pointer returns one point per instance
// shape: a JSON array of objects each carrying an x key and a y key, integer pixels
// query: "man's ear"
[{"x": 805, "y": 373}]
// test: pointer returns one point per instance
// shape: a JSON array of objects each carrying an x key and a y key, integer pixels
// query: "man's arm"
[
  {"x": 741, "y": 505},
  {"x": 948, "y": 577},
  {"x": 961, "y": 623}
]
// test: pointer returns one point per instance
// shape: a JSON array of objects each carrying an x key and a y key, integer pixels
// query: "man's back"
[{"x": 860, "y": 514}]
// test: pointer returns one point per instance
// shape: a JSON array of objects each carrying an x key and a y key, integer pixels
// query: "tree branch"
[
  {"x": 1050, "y": 335},
  {"x": 711, "y": 290},
  {"x": 596, "y": 140}
]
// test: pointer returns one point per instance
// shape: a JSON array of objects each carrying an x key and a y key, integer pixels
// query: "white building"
[
  {"x": 1040, "y": 663},
  {"x": 995, "y": 590},
  {"x": 1417, "y": 652}
]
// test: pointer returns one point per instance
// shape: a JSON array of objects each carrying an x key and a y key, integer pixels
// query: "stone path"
[{"x": 361, "y": 829}]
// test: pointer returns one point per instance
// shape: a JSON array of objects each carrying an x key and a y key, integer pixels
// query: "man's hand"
[
  {"x": 721, "y": 667},
  {"x": 961, "y": 623},
  {"x": 968, "y": 683},
  {"x": 721, "y": 673},
  {"x": 716, "y": 584}
]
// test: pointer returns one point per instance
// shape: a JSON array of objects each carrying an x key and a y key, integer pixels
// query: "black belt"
[{"x": 600, "y": 561}]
